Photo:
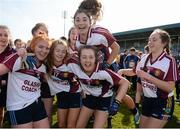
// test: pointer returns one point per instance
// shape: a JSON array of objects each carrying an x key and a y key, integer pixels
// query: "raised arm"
[{"x": 115, "y": 51}]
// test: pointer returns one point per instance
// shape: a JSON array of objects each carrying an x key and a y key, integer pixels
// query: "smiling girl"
[
  {"x": 24, "y": 106},
  {"x": 5, "y": 50},
  {"x": 158, "y": 73},
  {"x": 97, "y": 87},
  {"x": 64, "y": 85}
]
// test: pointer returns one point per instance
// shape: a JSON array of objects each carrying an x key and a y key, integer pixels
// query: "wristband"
[{"x": 117, "y": 101}]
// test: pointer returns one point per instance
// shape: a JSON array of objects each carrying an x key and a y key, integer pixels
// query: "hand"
[
  {"x": 29, "y": 62},
  {"x": 143, "y": 74},
  {"x": 22, "y": 52},
  {"x": 120, "y": 72},
  {"x": 3, "y": 82},
  {"x": 114, "y": 107}
]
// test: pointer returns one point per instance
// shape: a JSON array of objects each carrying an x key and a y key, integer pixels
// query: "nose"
[
  {"x": 149, "y": 41},
  {"x": 45, "y": 50}
]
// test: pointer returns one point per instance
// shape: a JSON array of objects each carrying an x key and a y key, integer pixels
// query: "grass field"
[{"x": 124, "y": 118}]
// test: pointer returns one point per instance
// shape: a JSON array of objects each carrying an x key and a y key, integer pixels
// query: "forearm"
[
  {"x": 167, "y": 86},
  {"x": 115, "y": 51},
  {"x": 122, "y": 90},
  {"x": 138, "y": 93},
  {"x": 126, "y": 72}
]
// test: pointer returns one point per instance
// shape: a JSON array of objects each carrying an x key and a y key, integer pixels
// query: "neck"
[
  {"x": 88, "y": 73},
  {"x": 83, "y": 37},
  {"x": 72, "y": 44},
  {"x": 156, "y": 54},
  {"x": 2, "y": 48},
  {"x": 57, "y": 63}
]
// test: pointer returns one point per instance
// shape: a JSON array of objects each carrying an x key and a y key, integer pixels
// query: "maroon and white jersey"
[
  {"x": 99, "y": 37},
  {"x": 99, "y": 83},
  {"x": 3, "y": 55},
  {"x": 23, "y": 84},
  {"x": 163, "y": 68},
  {"x": 62, "y": 79},
  {"x": 71, "y": 50}
]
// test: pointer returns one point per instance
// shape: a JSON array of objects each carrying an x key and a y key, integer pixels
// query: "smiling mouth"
[{"x": 81, "y": 28}]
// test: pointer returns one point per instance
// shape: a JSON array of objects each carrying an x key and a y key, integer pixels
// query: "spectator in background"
[
  {"x": 146, "y": 49},
  {"x": 18, "y": 43},
  {"x": 131, "y": 61},
  {"x": 122, "y": 57},
  {"x": 115, "y": 65},
  {"x": 139, "y": 54},
  {"x": 40, "y": 29}
]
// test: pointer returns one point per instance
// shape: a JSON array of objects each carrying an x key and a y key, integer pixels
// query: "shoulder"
[
  {"x": 99, "y": 29},
  {"x": 73, "y": 58}
]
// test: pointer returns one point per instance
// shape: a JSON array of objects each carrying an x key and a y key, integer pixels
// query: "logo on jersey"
[
  {"x": 65, "y": 74},
  {"x": 157, "y": 73}
]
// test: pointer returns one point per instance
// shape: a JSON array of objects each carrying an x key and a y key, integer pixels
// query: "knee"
[
  {"x": 62, "y": 125},
  {"x": 71, "y": 125}
]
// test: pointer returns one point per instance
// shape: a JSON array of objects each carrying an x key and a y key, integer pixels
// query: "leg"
[
  {"x": 44, "y": 123},
  {"x": 138, "y": 94},
  {"x": 177, "y": 84},
  {"x": 129, "y": 102},
  {"x": 72, "y": 117},
  {"x": 84, "y": 116},
  {"x": 1, "y": 116},
  {"x": 152, "y": 122},
  {"x": 48, "y": 104},
  {"x": 27, "y": 125},
  {"x": 143, "y": 121},
  {"x": 62, "y": 118},
  {"x": 109, "y": 124},
  {"x": 131, "y": 105},
  {"x": 100, "y": 119}
]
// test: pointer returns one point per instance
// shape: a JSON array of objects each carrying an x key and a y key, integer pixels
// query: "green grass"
[{"x": 123, "y": 119}]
